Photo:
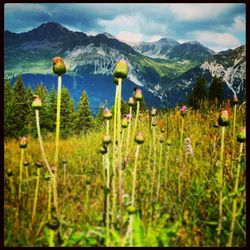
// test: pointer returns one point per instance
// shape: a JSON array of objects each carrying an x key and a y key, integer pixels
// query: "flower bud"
[
  {"x": 138, "y": 95},
  {"x": 139, "y": 138},
  {"x": 168, "y": 142},
  {"x": 39, "y": 164},
  {"x": 26, "y": 163},
  {"x": 37, "y": 102},
  {"x": 131, "y": 209},
  {"x": 153, "y": 123},
  {"x": 23, "y": 142},
  {"x": 153, "y": 112},
  {"x": 183, "y": 110},
  {"x": 121, "y": 69},
  {"x": 9, "y": 172},
  {"x": 103, "y": 149},
  {"x": 223, "y": 119},
  {"x": 106, "y": 139},
  {"x": 54, "y": 223},
  {"x": 107, "y": 114},
  {"x": 241, "y": 137},
  {"x": 163, "y": 130},
  {"x": 131, "y": 101},
  {"x": 161, "y": 140},
  {"x": 235, "y": 100},
  {"x": 59, "y": 67},
  {"x": 125, "y": 122}
]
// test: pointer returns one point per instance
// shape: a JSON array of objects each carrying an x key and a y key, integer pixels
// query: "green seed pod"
[
  {"x": 107, "y": 114},
  {"x": 54, "y": 223},
  {"x": 9, "y": 172},
  {"x": 23, "y": 142},
  {"x": 153, "y": 112},
  {"x": 121, "y": 69},
  {"x": 106, "y": 139},
  {"x": 125, "y": 122},
  {"x": 131, "y": 101},
  {"x": 103, "y": 150},
  {"x": 241, "y": 137},
  {"x": 223, "y": 119},
  {"x": 131, "y": 209},
  {"x": 37, "y": 102},
  {"x": 39, "y": 164},
  {"x": 139, "y": 138},
  {"x": 116, "y": 80},
  {"x": 138, "y": 95},
  {"x": 59, "y": 67}
]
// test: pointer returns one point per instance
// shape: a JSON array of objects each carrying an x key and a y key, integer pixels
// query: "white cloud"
[
  {"x": 122, "y": 20},
  {"x": 129, "y": 36},
  {"x": 188, "y": 12},
  {"x": 154, "y": 38},
  {"x": 215, "y": 40},
  {"x": 239, "y": 25}
]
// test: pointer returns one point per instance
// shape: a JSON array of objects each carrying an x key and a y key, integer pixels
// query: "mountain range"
[{"x": 165, "y": 70}]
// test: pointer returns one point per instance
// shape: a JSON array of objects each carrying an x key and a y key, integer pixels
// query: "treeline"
[{"x": 19, "y": 117}]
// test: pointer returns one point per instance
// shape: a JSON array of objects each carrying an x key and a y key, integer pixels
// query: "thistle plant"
[
  {"x": 235, "y": 101},
  {"x": 59, "y": 68},
  {"x": 22, "y": 145},
  {"x": 26, "y": 164},
  {"x": 38, "y": 165},
  {"x": 241, "y": 138},
  {"x": 10, "y": 175},
  {"x": 131, "y": 103},
  {"x": 120, "y": 72},
  {"x": 223, "y": 121}
]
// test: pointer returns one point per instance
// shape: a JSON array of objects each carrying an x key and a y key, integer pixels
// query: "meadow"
[{"x": 174, "y": 177}]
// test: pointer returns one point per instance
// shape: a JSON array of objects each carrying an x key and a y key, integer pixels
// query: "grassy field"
[{"x": 176, "y": 186}]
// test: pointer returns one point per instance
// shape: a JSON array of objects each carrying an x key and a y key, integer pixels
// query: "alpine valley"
[{"x": 165, "y": 70}]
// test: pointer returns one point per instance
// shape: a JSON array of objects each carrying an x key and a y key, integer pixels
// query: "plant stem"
[
  {"x": 154, "y": 162},
  {"x": 21, "y": 175},
  {"x": 108, "y": 196},
  {"x": 12, "y": 188},
  {"x": 59, "y": 90},
  {"x": 51, "y": 232},
  {"x": 221, "y": 184},
  {"x": 234, "y": 213},
  {"x": 136, "y": 118},
  {"x": 128, "y": 133},
  {"x": 166, "y": 166},
  {"x": 233, "y": 138},
  {"x": 41, "y": 142},
  {"x": 159, "y": 173},
  {"x": 27, "y": 179},
  {"x": 36, "y": 195}
]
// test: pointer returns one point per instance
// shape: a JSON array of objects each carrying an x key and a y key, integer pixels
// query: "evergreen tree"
[
  {"x": 8, "y": 109},
  {"x": 99, "y": 120},
  {"x": 84, "y": 119},
  {"x": 20, "y": 108},
  {"x": 216, "y": 90},
  {"x": 67, "y": 113},
  {"x": 31, "y": 120},
  {"x": 199, "y": 93},
  {"x": 124, "y": 107}
]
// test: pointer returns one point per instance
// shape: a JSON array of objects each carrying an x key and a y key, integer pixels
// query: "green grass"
[{"x": 166, "y": 221}]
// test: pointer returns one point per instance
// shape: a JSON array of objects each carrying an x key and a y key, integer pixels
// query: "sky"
[{"x": 218, "y": 26}]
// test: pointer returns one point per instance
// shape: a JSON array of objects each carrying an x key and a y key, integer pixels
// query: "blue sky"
[{"x": 219, "y": 26}]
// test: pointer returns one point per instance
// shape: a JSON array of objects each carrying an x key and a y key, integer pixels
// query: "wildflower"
[
  {"x": 37, "y": 103},
  {"x": 241, "y": 137},
  {"x": 139, "y": 138},
  {"x": 106, "y": 139},
  {"x": 153, "y": 112},
  {"x": 121, "y": 69},
  {"x": 59, "y": 67},
  {"x": 223, "y": 119},
  {"x": 23, "y": 142},
  {"x": 107, "y": 114},
  {"x": 125, "y": 121},
  {"x": 131, "y": 101},
  {"x": 183, "y": 110},
  {"x": 137, "y": 94}
]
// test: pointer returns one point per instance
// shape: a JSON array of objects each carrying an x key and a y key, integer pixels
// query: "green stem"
[
  {"x": 128, "y": 134},
  {"x": 159, "y": 173},
  {"x": 166, "y": 166},
  {"x": 221, "y": 184},
  {"x": 12, "y": 188},
  {"x": 233, "y": 138},
  {"x": 154, "y": 162},
  {"x": 41, "y": 142},
  {"x": 108, "y": 196},
  {"x": 234, "y": 213},
  {"x": 59, "y": 90},
  {"x": 27, "y": 179},
  {"x": 136, "y": 118},
  {"x": 51, "y": 232},
  {"x": 21, "y": 175},
  {"x": 36, "y": 195},
  {"x": 182, "y": 129}
]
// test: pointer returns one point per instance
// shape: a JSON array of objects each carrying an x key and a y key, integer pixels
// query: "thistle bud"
[
  {"x": 168, "y": 142},
  {"x": 106, "y": 139},
  {"x": 138, "y": 95},
  {"x": 139, "y": 138},
  {"x": 216, "y": 125},
  {"x": 163, "y": 130},
  {"x": 131, "y": 101},
  {"x": 241, "y": 137},
  {"x": 23, "y": 142},
  {"x": 26, "y": 163},
  {"x": 161, "y": 140},
  {"x": 53, "y": 224},
  {"x": 9, "y": 172},
  {"x": 153, "y": 112},
  {"x": 37, "y": 102},
  {"x": 125, "y": 122},
  {"x": 39, "y": 164},
  {"x": 223, "y": 119},
  {"x": 121, "y": 69},
  {"x": 107, "y": 114},
  {"x": 115, "y": 80},
  {"x": 103, "y": 149},
  {"x": 47, "y": 177},
  {"x": 235, "y": 100},
  {"x": 153, "y": 123},
  {"x": 183, "y": 110},
  {"x": 59, "y": 67},
  {"x": 131, "y": 209}
]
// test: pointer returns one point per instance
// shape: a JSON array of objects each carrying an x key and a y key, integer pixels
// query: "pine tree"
[
  {"x": 67, "y": 113},
  {"x": 216, "y": 90},
  {"x": 8, "y": 109},
  {"x": 20, "y": 108},
  {"x": 31, "y": 120},
  {"x": 99, "y": 120},
  {"x": 199, "y": 93},
  {"x": 84, "y": 119}
]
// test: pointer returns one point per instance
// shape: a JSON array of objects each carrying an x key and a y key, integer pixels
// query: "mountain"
[{"x": 162, "y": 69}]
